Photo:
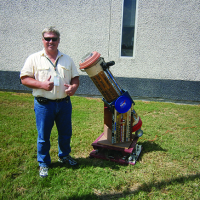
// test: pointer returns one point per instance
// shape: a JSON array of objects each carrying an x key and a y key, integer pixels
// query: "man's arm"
[
  {"x": 71, "y": 89},
  {"x": 34, "y": 84}
]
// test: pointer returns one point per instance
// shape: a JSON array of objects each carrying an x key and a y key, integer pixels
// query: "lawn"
[{"x": 168, "y": 167}]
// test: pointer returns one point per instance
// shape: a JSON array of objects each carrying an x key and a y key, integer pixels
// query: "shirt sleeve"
[
  {"x": 28, "y": 68},
  {"x": 74, "y": 70}
]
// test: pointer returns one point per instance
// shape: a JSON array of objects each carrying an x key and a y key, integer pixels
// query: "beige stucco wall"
[
  {"x": 167, "y": 34},
  {"x": 166, "y": 62}
]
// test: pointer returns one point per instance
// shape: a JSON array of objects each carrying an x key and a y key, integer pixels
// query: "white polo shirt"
[{"x": 40, "y": 68}]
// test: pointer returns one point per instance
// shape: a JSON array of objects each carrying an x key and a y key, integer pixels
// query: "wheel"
[
  {"x": 130, "y": 158},
  {"x": 139, "y": 133}
]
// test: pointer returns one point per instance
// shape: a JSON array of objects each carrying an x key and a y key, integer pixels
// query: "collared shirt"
[{"x": 40, "y": 68}]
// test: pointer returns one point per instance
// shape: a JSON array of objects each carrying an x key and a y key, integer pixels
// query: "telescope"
[{"x": 120, "y": 118}]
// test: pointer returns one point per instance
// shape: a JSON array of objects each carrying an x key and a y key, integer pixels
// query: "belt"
[
  {"x": 45, "y": 100},
  {"x": 59, "y": 100}
]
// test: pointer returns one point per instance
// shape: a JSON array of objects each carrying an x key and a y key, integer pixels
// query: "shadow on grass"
[
  {"x": 145, "y": 187},
  {"x": 88, "y": 162},
  {"x": 83, "y": 197},
  {"x": 148, "y": 146}
]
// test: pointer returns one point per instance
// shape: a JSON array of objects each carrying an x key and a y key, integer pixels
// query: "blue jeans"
[{"x": 46, "y": 114}]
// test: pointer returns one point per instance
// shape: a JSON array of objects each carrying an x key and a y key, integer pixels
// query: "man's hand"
[
  {"x": 71, "y": 89},
  {"x": 47, "y": 84},
  {"x": 34, "y": 84}
]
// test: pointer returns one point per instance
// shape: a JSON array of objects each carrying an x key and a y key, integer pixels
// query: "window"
[{"x": 128, "y": 28}]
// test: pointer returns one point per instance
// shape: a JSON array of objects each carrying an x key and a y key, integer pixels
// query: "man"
[{"x": 54, "y": 78}]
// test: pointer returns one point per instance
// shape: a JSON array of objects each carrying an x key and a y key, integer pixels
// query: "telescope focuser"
[{"x": 106, "y": 65}]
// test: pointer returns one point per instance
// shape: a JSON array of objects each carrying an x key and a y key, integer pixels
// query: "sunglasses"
[{"x": 49, "y": 39}]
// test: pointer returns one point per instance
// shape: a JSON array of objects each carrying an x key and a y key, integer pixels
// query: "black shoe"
[{"x": 68, "y": 159}]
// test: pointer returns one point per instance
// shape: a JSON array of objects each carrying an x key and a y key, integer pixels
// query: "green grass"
[{"x": 168, "y": 168}]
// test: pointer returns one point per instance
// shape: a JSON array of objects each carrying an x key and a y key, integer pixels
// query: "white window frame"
[{"x": 135, "y": 32}]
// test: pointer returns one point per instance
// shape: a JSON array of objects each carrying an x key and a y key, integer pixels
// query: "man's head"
[
  {"x": 51, "y": 29},
  {"x": 50, "y": 39}
]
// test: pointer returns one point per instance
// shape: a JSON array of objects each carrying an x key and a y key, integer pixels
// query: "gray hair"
[{"x": 51, "y": 29}]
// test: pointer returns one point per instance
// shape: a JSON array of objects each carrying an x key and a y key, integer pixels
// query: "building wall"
[{"x": 166, "y": 62}]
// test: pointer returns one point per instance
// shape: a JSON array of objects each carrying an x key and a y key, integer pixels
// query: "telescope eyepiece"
[{"x": 106, "y": 65}]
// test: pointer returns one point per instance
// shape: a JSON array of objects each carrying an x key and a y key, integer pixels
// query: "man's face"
[{"x": 50, "y": 46}]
